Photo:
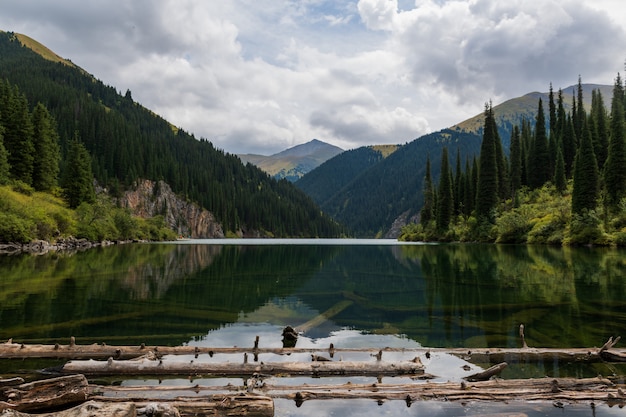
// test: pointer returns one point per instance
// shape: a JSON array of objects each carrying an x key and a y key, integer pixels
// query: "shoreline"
[{"x": 69, "y": 244}]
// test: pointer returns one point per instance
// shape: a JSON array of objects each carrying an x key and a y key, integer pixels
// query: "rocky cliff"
[{"x": 149, "y": 198}]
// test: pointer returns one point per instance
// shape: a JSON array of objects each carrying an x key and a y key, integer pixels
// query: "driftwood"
[
  {"x": 478, "y": 355},
  {"x": 315, "y": 368},
  {"x": 541, "y": 389},
  {"x": 45, "y": 394},
  {"x": 216, "y": 405},
  {"x": 88, "y": 409}
]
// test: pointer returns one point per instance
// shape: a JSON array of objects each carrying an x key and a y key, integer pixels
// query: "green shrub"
[{"x": 14, "y": 228}]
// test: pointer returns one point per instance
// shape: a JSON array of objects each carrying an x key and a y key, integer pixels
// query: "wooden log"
[
  {"x": 544, "y": 389},
  {"x": 487, "y": 373},
  {"x": 88, "y": 409},
  {"x": 315, "y": 369},
  {"x": 227, "y": 406},
  {"x": 478, "y": 355},
  {"x": 45, "y": 394}
]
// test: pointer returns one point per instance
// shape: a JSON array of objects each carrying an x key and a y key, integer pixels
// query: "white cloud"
[{"x": 262, "y": 75}]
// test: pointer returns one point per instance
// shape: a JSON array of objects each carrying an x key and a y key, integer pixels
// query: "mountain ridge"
[{"x": 294, "y": 162}]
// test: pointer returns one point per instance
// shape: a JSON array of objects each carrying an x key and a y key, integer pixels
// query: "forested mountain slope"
[
  {"x": 128, "y": 142},
  {"x": 368, "y": 196}
]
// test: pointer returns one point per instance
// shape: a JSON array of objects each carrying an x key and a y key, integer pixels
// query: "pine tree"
[
  {"x": 427, "y": 212},
  {"x": 515, "y": 161},
  {"x": 445, "y": 199},
  {"x": 552, "y": 110},
  {"x": 599, "y": 129},
  {"x": 4, "y": 162},
  {"x": 560, "y": 181},
  {"x": 47, "y": 154},
  {"x": 569, "y": 144},
  {"x": 615, "y": 167},
  {"x": 539, "y": 159},
  {"x": 585, "y": 191},
  {"x": 487, "y": 188},
  {"x": 458, "y": 184},
  {"x": 77, "y": 177},
  {"x": 18, "y": 137}
]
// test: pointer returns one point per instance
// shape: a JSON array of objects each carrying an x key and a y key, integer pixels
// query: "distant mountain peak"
[{"x": 296, "y": 161}]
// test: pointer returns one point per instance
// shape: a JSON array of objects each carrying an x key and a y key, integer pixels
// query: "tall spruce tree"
[
  {"x": 599, "y": 129},
  {"x": 4, "y": 161},
  {"x": 515, "y": 161},
  {"x": 615, "y": 167},
  {"x": 445, "y": 199},
  {"x": 77, "y": 180},
  {"x": 46, "y": 153},
  {"x": 487, "y": 188},
  {"x": 539, "y": 159},
  {"x": 458, "y": 184},
  {"x": 18, "y": 136},
  {"x": 428, "y": 209},
  {"x": 552, "y": 110},
  {"x": 585, "y": 191},
  {"x": 560, "y": 181}
]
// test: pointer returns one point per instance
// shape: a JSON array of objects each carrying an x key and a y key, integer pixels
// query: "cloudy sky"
[{"x": 260, "y": 76}]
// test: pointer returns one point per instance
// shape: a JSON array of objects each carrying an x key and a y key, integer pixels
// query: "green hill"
[{"x": 127, "y": 142}]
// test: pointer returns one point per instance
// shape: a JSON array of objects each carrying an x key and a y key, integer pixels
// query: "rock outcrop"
[{"x": 149, "y": 199}]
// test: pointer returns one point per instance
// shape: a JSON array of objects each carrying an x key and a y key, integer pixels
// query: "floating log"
[
  {"x": 88, "y": 409},
  {"x": 45, "y": 394},
  {"x": 315, "y": 368},
  {"x": 217, "y": 405},
  {"x": 479, "y": 355},
  {"x": 541, "y": 389}
]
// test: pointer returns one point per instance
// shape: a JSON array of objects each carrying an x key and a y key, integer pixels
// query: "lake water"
[{"x": 377, "y": 293}]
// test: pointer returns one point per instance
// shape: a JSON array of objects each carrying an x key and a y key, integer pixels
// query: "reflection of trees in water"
[{"x": 491, "y": 289}]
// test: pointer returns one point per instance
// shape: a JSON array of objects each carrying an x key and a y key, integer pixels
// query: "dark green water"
[
  {"x": 436, "y": 295},
  {"x": 390, "y": 294}
]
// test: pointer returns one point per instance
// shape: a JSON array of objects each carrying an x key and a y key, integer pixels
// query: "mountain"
[
  {"x": 336, "y": 173},
  {"x": 370, "y": 195},
  {"x": 128, "y": 143},
  {"x": 293, "y": 163}
]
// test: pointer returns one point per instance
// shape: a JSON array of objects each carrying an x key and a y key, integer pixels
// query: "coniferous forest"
[
  {"x": 61, "y": 128},
  {"x": 563, "y": 181}
]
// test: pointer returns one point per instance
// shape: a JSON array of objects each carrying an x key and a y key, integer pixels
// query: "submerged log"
[
  {"x": 487, "y": 373},
  {"x": 45, "y": 394},
  {"x": 315, "y": 369}
]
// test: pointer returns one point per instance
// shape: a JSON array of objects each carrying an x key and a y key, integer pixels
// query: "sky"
[{"x": 261, "y": 76}]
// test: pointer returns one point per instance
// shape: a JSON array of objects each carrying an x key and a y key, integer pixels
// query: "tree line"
[
  {"x": 562, "y": 182},
  {"x": 124, "y": 141}
]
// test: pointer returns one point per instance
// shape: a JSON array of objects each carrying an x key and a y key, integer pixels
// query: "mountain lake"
[{"x": 376, "y": 293}]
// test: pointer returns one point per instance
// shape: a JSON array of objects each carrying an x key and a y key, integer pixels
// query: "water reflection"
[{"x": 436, "y": 295}]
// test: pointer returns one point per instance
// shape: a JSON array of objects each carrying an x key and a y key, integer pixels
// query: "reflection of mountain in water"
[{"x": 145, "y": 293}]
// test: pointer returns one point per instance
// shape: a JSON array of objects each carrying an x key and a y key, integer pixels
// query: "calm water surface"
[{"x": 376, "y": 293}]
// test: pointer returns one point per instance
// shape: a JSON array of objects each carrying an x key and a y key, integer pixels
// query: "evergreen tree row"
[
  {"x": 127, "y": 142},
  {"x": 581, "y": 157}
]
